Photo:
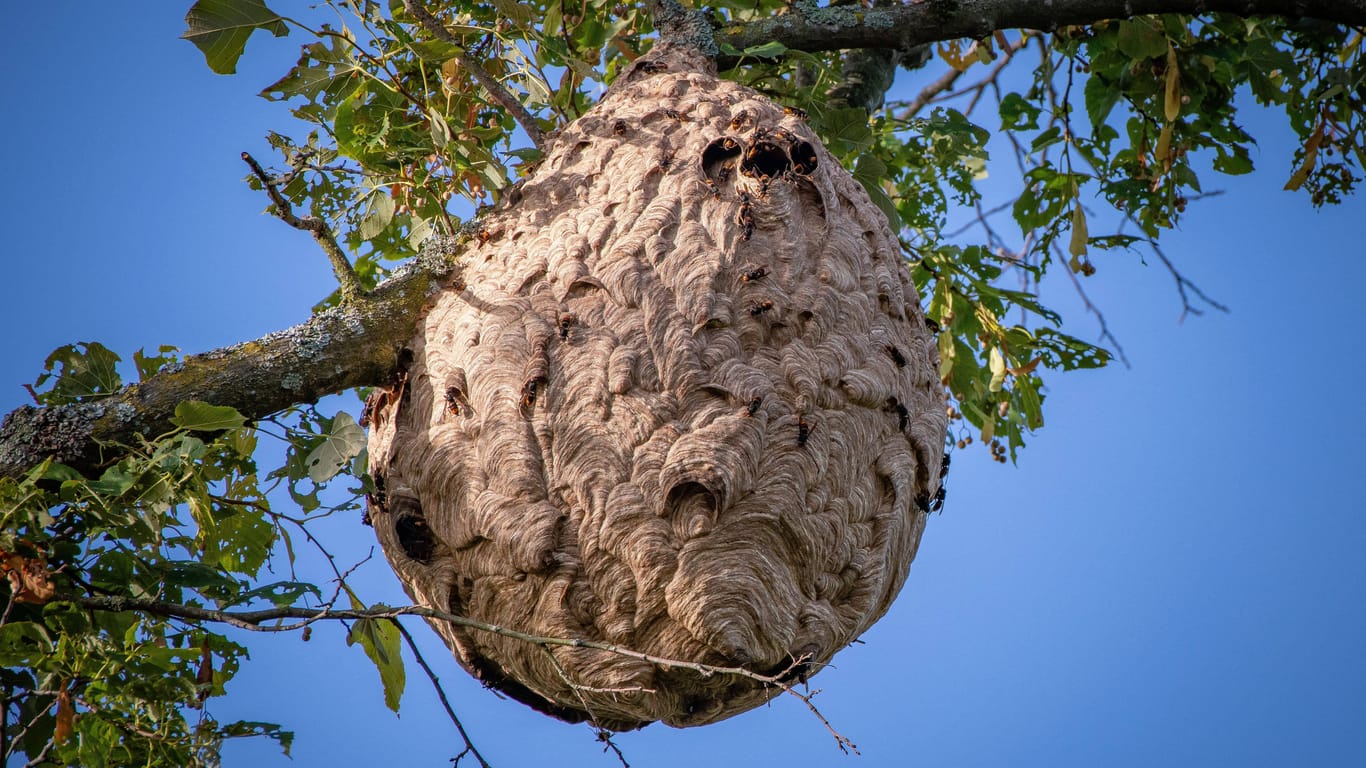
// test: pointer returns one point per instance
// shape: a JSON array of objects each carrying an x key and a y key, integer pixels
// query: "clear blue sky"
[{"x": 1173, "y": 575}]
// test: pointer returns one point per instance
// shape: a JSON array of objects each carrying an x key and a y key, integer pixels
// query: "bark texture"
[
  {"x": 906, "y": 25},
  {"x": 682, "y": 400}
]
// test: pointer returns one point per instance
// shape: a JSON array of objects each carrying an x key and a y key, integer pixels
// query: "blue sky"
[{"x": 1172, "y": 575}]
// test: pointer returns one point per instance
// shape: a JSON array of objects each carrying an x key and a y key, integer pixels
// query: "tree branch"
[
  {"x": 495, "y": 89},
  {"x": 264, "y": 620},
  {"x": 810, "y": 28},
  {"x": 340, "y": 348},
  {"x": 680, "y": 26},
  {"x": 346, "y": 274}
]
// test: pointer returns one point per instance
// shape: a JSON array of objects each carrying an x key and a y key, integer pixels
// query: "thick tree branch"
[
  {"x": 495, "y": 89},
  {"x": 809, "y": 28},
  {"x": 350, "y": 346},
  {"x": 680, "y": 26}
]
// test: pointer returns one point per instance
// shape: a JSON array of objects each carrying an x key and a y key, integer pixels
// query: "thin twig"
[
  {"x": 346, "y": 275},
  {"x": 1182, "y": 284},
  {"x": 495, "y": 89},
  {"x": 1105, "y": 334},
  {"x": 470, "y": 749},
  {"x": 935, "y": 91},
  {"x": 605, "y": 736},
  {"x": 601, "y": 734}
]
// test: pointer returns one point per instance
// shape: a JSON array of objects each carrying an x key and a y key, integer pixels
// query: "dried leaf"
[
  {"x": 1077, "y": 247},
  {"x": 997, "y": 361},
  {"x": 1164, "y": 147},
  {"x": 66, "y": 717},
  {"x": 29, "y": 579},
  {"x": 1311, "y": 158},
  {"x": 1172, "y": 101}
]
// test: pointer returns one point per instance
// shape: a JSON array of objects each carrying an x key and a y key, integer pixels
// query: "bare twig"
[
  {"x": 937, "y": 89},
  {"x": 1105, "y": 334},
  {"x": 605, "y": 736},
  {"x": 346, "y": 275},
  {"x": 1184, "y": 284},
  {"x": 470, "y": 749},
  {"x": 495, "y": 89},
  {"x": 602, "y": 734}
]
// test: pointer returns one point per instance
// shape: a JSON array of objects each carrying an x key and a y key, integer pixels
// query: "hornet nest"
[{"x": 683, "y": 400}]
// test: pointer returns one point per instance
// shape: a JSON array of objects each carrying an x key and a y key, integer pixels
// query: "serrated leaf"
[
  {"x": 342, "y": 442},
  {"x": 113, "y": 482},
  {"x": 199, "y": 416},
  {"x": 379, "y": 638},
  {"x": 220, "y": 28}
]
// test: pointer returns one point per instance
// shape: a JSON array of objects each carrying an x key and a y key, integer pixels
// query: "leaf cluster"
[{"x": 181, "y": 518}]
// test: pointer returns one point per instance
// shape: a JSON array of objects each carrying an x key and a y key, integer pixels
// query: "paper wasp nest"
[{"x": 682, "y": 400}]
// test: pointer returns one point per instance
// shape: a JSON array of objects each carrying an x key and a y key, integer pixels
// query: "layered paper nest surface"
[{"x": 681, "y": 400}]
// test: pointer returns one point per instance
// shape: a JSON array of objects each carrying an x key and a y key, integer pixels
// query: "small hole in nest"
[
  {"x": 693, "y": 507},
  {"x": 765, "y": 160},
  {"x": 414, "y": 535},
  {"x": 803, "y": 158}
]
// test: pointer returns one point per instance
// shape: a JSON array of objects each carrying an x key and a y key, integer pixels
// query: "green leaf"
[
  {"x": 770, "y": 50},
  {"x": 871, "y": 172},
  {"x": 1048, "y": 138},
  {"x": 435, "y": 51},
  {"x": 83, "y": 371},
  {"x": 846, "y": 129},
  {"x": 378, "y": 213},
  {"x": 281, "y": 593},
  {"x": 148, "y": 365},
  {"x": 1140, "y": 40},
  {"x": 342, "y": 442},
  {"x": 220, "y": 28},
  {"x": 199, "y": 416},
  {"x": 255, "y": 728},
  {"x": 1017, "y": 114},
  {"x": 380, "y": 640},
  {"x": 22, "y": 642},
  {"x": 1101, "y": 97},
  {"x": 1233, "y": 160}
]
